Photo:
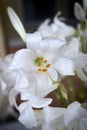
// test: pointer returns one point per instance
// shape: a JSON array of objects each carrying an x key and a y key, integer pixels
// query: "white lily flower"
[
  {"x": 43, "y": 57},
  {"x": 53, "y": 30},
  {"x": 74, "y": 117},
  {"x": 32, "y": 97},
  {"x": 41, "y": 51},
  {"x": 56, "y": 29}
]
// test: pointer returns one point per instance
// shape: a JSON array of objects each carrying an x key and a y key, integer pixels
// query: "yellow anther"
[
  {"x": 45, "y": 61},
  {"x": 42, "y": 64},
  {"x": 39, "y": 69},
  {"x": 44, "y": 70},
  {"x": 48, "y": 65}
]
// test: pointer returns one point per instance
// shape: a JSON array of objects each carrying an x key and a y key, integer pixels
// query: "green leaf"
[
  {"x": 63, "y": 92},
  {"x": 83, "y": 26}
]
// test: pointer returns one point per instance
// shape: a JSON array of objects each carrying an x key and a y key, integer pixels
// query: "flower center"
[{"x": 42, "y": 64}]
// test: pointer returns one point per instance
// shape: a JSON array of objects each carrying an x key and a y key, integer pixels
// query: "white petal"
[
  {"x": 80, "y": 60},
  {"x": 25, "y": 85},
  {"x": 4, "y": 65},
  {"x": 51, "y": 113},
  {"x": 65, "y": 30},
  {"x": 12, "y": 98},
  {"x": 23, "y": 59},
  {"x": 83, "y": 124},
  {"x": 40, "y": 102},
  {"x": 74, "y": 112},
  {"x": 16, "y": 22},
  {"x": 65, "y": 66},
  {"x": 71, "y": 50},
  {"x": 54, "y": 116},
  {"x": 33, "y": 40},
  {"x": 53, "y": 29},
  {"x": 2, "y": 85},
  {"x": 22, "y": 106},
  {"x": 21, "y": 82},
  {"x": 27, "y": 116},
  {"x": 53, "y": 73},
  {"x": 9, "y": 78},
  {"x": 45, "y": 29},
  {"x": 80, "y": 125},
  {"x": 50, "y": 46},
  {"x": 25, "y": 95},
  {"x": 44, "y": 85},
  {"x": 48, "y": 126}
]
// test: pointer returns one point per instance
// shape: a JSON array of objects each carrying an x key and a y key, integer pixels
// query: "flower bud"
[{"x": 79, "y": 12}]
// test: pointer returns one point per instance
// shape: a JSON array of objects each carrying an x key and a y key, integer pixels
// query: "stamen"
[
  {"x": 42, "y": 64},
  {"x": 45, "y": 61},
  {"x": 39, "y": 69},
  {"x": 48, "y": 65},
  {"x": 44, "y": 70}
]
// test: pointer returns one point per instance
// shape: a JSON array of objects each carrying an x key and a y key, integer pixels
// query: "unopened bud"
[{"x": 79, "y": 12}]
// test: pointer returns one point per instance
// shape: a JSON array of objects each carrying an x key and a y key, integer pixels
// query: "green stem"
[
  {"x": 83, "y": 44},
  {"x": 55, "y": 83}
]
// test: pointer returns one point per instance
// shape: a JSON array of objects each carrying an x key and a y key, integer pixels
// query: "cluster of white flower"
[{"x": 52, "y": 53}]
